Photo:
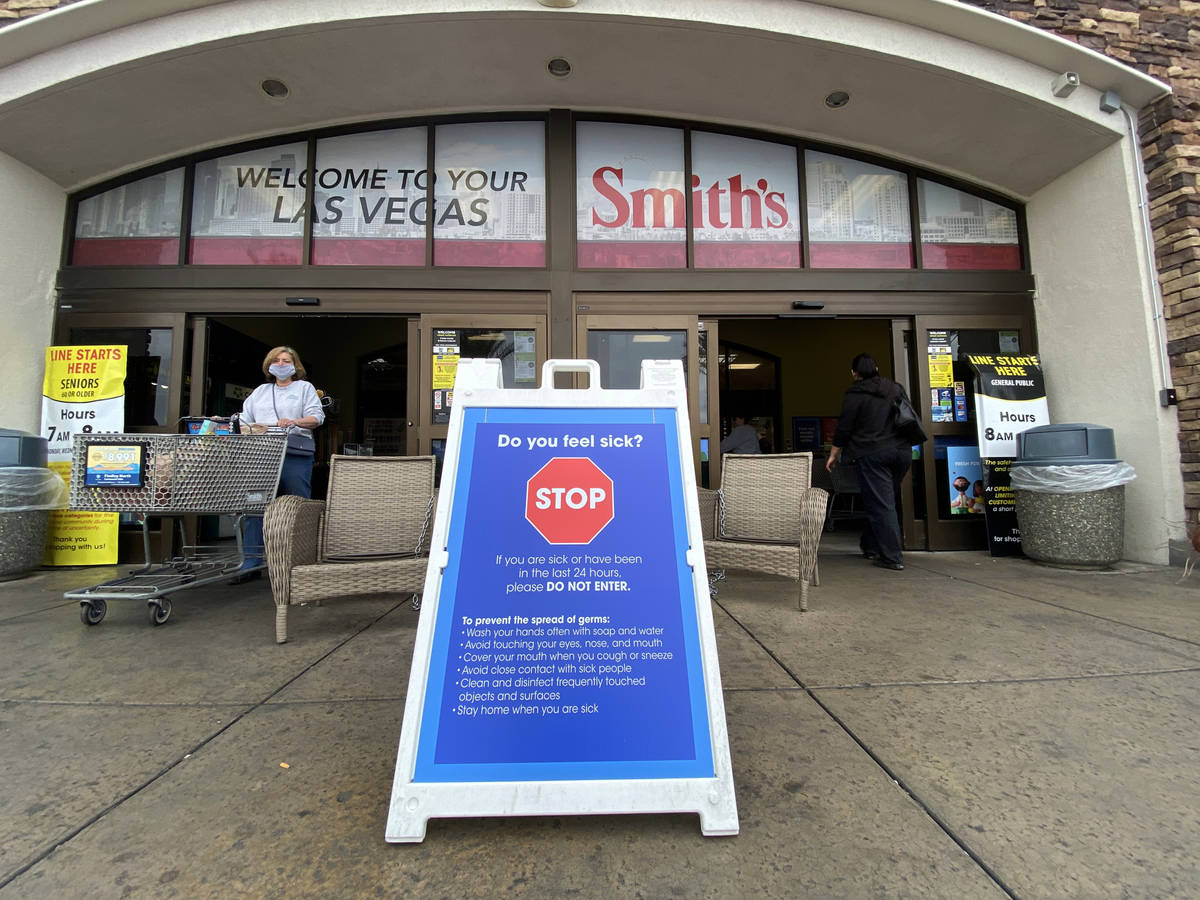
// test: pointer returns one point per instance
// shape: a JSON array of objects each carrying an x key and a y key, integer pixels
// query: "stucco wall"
[
  {"x": 31, "y": 233},
  {"x": 1095, "y": 319}
]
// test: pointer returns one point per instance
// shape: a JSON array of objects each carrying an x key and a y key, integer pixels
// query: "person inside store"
[
  {"x": 742, "y": 439},
  {"x": 288, "y": 401},
  {"x": 764, "y": 442},
  {"x": 867, "y": 435}
]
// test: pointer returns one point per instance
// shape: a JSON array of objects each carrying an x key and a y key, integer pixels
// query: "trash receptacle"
[
  {"x": 1070, "y": 495},
  {"x": 28, "y": 492}
]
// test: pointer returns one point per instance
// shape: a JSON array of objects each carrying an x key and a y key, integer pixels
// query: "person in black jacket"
[{"x": 866, "y": 433}]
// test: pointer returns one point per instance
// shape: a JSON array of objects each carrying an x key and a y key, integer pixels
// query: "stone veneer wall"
[
  {"x": 1162, "y": 39},
  {"x": 11, "y": 10}
]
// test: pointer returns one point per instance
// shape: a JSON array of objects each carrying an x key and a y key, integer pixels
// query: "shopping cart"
[{"x": 151, "y": 475}]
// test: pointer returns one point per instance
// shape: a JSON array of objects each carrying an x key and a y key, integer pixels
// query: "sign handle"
[{"x": 587, "y": 366}]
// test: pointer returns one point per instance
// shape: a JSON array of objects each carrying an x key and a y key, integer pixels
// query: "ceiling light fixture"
[
  {"x": 558, "y": 67},
  {"x": 558, "y": 4},
  {"x": 274, "y": 88},
  {"x": 837, "y": 99}
]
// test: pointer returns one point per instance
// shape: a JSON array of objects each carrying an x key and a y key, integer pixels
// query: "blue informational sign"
[
  {"x": 114, "y": 465},
  {"x": 565, "y": 660}
]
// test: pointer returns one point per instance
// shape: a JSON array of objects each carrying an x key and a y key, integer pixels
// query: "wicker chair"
[
  {"x": 369, "y": 537},
  {"x": 767, "y": 517}
]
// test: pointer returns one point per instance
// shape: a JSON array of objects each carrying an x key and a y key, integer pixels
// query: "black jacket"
[{"x": 866, "y": 424}]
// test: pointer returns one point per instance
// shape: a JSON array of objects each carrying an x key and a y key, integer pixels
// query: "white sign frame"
[{"x": 414, "y": 803}]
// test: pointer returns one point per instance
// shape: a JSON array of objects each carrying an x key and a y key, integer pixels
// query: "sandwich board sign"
[{"x": 565, "y": 661}]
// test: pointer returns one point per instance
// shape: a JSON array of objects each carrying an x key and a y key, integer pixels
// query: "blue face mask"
[{"x": 282, "y": 371}]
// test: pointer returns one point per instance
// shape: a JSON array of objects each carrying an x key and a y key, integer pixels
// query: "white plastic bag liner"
[
  {"x": 25, "y": 488},
  {"x": 1071, "y": 479}
]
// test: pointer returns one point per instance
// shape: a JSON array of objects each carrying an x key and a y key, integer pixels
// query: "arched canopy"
[{"x": 103, "y": 87}]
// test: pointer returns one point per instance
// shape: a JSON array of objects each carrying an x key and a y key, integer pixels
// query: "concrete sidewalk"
[{"x": 969, "y": 727}]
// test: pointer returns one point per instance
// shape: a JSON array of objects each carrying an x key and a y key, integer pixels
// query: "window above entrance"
[
  {"x": 369, "y": 198},
  {"x": 647, "y": 196},
  {"x": 962, "y": 231},
  {"x": 247, "y": 208},
  {"x": 136, "y": 224},
  {"x": 858, "y": 214}
]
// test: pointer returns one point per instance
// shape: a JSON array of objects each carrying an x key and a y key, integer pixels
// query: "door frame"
[
  {"x": 967, "y": 532},
  {"x": 904, "y": 362}
]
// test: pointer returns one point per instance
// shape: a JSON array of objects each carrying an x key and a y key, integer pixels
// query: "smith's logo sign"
[{"x": 755, "y": 207}]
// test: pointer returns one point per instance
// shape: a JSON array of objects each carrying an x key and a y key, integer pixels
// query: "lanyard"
[{"x": 275, "y": 406}]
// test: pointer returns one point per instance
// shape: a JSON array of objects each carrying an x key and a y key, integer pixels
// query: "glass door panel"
[
  {"x": 620, "y": 343},
  {"x": 156, "y": 393},
  {"x": 751, "y": 390},
  {"x": 620, "y": 353},
  {"x": 951, "y": 467},
  {"x": 155, "y": 389},
  {"x": 519, "y": 342}
]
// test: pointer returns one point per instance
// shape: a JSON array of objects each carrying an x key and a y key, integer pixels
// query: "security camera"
[{"x": 1064, "y": 84}]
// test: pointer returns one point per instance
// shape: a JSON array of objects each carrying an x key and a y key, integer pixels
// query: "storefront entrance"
[
  {"x": 787, "y": 377},
  {"x": 388, "y": 380}
]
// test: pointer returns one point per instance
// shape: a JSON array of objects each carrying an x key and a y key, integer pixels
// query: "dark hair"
[{"x": 864, "y": 366}]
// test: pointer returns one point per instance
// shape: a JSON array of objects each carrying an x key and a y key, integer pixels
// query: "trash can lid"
[
  {"x": 19, "y": 448},
  {"x": 1067, "y": 444}
]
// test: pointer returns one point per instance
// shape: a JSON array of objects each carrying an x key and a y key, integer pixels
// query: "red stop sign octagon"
[{"x": 569, "y": 500}]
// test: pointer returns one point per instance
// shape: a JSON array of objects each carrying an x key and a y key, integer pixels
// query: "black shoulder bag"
[
  {"x": 906, "y": 420},
  {"x": 299, "y": 443}
]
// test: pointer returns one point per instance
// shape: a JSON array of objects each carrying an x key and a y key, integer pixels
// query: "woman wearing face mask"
[{"x": 290, "y": 402}]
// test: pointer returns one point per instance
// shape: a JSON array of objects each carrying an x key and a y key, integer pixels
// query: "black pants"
[{"x": 879, "y": 477}]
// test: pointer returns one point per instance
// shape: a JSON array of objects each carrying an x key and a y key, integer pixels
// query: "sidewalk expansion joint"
[
  {"x": 237, "y": 718},
  {"x": 128, "y": 704},
  {"x": 4, "y": 620},
  {"x": 199, "y": 704},
  {"x": 969, "y": 682},
  {"x": 884, "y": 767},
  {"x": 1080, "y": 612}
]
